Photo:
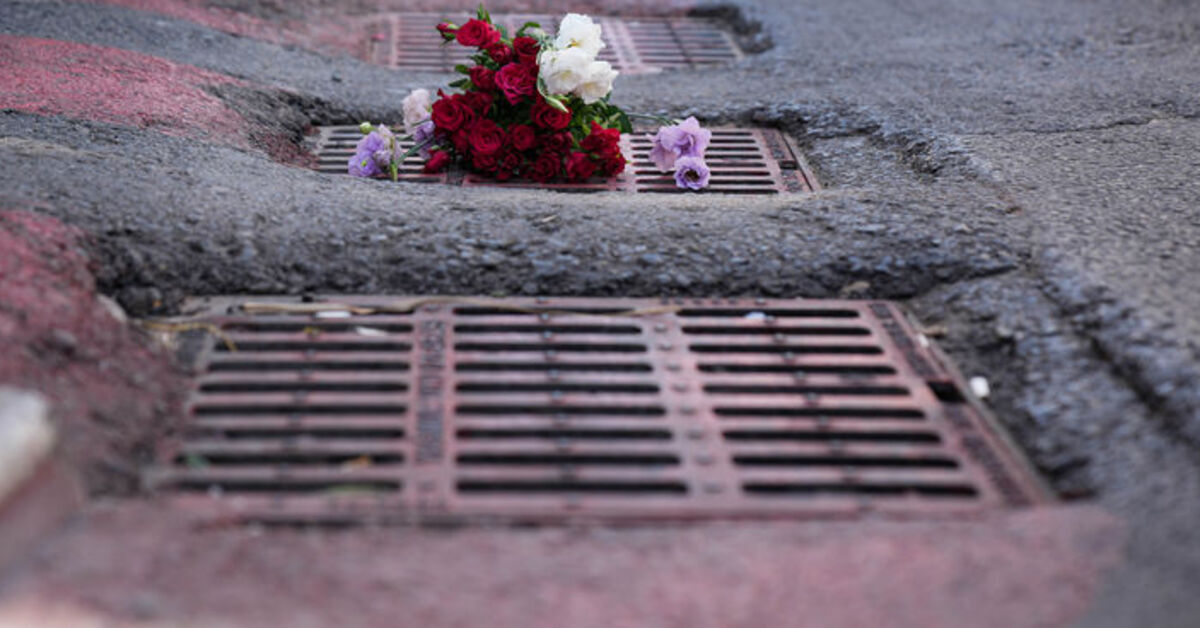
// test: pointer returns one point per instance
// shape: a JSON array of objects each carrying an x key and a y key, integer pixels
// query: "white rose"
[
  {"x": 417, "y": 106},
  {"x": 598, "y": 82},
  {"x": 579, "y": 31},
  {"x": 564, "y": 70}
]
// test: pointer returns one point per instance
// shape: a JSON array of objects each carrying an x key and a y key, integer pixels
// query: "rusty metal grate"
[
  {"x": 635, "y": 46},
  {"x": 743, "y": 161},
  {"x": 523, "y": 410}
]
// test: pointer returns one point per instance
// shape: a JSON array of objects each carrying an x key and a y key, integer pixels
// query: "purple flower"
[
  {"x": 686, "y": 139},
  {"x": 363, "y": 163},
  {"x": 691, "y": 173},
  {"x": 383, "y": 154},
  {"x": 421, "y": 134}
]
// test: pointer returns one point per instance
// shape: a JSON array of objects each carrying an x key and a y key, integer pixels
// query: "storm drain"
[
  {"x": 634, "y": 46},
  {"x": 439, "y": 410},
  {"x": 742, "y": 160}
]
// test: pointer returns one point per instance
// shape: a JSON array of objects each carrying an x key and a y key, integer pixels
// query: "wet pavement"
[{"x": 1022, "y": 174}]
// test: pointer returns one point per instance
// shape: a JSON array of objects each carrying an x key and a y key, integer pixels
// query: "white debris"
[
  {"x": 334, "y": 314},
  {"x": 756, "y": 316},
  {"x": 370, "y": 331},
  {"x": 980, "y": 387}
]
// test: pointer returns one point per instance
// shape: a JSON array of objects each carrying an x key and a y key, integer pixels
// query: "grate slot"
[
  {"x": 552, "y": 367},
  {"x": 562, "y": 433},
  {"x": 473, "y": 485},
  {"x": 738, "y": 389},
  {"x": 571, "y": 459},
  {"x": 910, "y": 436},
  {"x": 557, "y": 387},
  {"x": 561, "y": 409},
  {"x": 871, "y": 490}
]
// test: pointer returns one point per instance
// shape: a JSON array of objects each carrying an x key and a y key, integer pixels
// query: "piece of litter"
[
  {"x": 756, "y": 316},
  {"x": 333, "y": 314},
  {"x": 980, "y": 387},
  {"x": 370, "y": 331}
]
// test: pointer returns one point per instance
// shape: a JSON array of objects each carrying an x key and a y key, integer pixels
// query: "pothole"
[
  {"x": 641, "y": 45},
  {"x": 743, "y": 160},
  {"x": 460, "y": 410}
]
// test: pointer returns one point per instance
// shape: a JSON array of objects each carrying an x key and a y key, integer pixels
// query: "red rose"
[
  {"x": 479, "y": 102},
  {"x": 601, "y": 141},
  {"x": 500, "y": 52},
  {"x": 461, "y": 140},
  {"x": 548, "y": 117},
  {"x": 487, "y": 138},
  {"x": 527, "y": 49},
  {"x": 521, "y": 137},
  {"x": 613, "y": 165},
  {"x": 546, "y": 168},
  {"x": 447, "y": 30},
  {"x": 557, "y": 143},
  {"x": 483, "y": 78},
  {"x": 485, "y": 163},
  {"x": 580, "y": 166},
  {"x": 510, "y": 162},
  {"x": 438, "y": 160},
  {"x": 516, "y": 81},
  {"x": 450, "y": 114},
  {"x": 477, "y": 33}
]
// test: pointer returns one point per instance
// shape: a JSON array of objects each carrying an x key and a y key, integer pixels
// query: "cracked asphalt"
[{"x": 1022, "y": 173}]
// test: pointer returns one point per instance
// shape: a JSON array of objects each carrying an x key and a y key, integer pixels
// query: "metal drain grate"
[
  {"x": 596, "y": 409},
  {"x": 743, "y": 161},
  {"x": 635, "y": 46}
]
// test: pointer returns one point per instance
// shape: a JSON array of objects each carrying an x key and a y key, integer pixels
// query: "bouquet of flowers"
[{"x": 533, "y": 106}]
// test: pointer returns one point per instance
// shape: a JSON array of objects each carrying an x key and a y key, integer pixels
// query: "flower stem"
[{"x": 646, "y": 116}]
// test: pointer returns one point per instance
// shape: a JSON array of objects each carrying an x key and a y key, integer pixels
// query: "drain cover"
[
  {"x": 635, "y": 46},
  {"x": 457, "y": 410},
  {"x": 742, "y": 160}
]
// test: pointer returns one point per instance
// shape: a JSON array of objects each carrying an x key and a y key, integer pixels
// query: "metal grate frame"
[
  {"x": 445, "y": 411},
  {"x": 634, "y": 46},
  {"x": 742, "y": 160}
]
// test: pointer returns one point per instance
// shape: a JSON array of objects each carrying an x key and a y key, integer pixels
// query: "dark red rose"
[
  {"x": 447, "y": 30},
  {"x": 438, "y": 160},
  {"x": 487, "y": 138},
  {"x": 557, "y": 143},
  {"x": 479, "y": 102},
  {"x": 521, "y": 137},
  {"x": 462, "y": 141},
  {"x": 510, "y": 162},
  {"x": 526, "y": 49},
  {"x": 451, "y": 114},
  {"x": 500, "y": 52},
  {"x": 517, "y": 81},
  {"x": 483, "y": 78},
  {"x": 485, "y": 163},
  {"x": 546, "y": 168},
  {"x": 613, "y": 165},
  {"x": 477, "y": 33},
  {"x": 603, "y": 142},
  {"x": 580, "y": 166},
  {"x": 548, "y": 117}
]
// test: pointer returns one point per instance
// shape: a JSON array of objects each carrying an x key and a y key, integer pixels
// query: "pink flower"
[
  {"x": 686, "y": 139},
  {"x": 691, "y": 173}
]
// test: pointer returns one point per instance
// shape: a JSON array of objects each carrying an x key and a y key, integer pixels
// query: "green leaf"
[
  {"x": 623, "y": 120},
  {"x": 503, "y": 31},
  {"x": 462, "y": 69},
  {"x": 483, "y": 14},
  {"x": 521, "y": 31},
  {"x": 460, "y": 83}
]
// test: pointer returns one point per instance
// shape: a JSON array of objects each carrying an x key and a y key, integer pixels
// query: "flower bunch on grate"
[{"x": 533, "y": 106}]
